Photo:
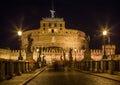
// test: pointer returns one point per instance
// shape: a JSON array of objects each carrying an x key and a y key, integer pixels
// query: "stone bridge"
[
  {"x": 10, "y": 68},
  {"x": 101, "y": 66}
]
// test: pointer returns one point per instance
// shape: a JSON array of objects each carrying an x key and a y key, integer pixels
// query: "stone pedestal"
[
  {"x": 110, "y": 66},
  {"x": 96, "y": 66},
  {"x": 18, "y": 68},
  {"x": 87, "y": 65},
  {"x": 102, "y": 66},
  {"x": 91, "y": 66},
  {"x": 7, "y": 70},
  {"x": 12, "y": 67},
  {"x": 23, "y": 67},
  {"x": 2, "y": 70},
  {"x": 80, "y": 66},
  {"x": 119, "y": 65},
  {"x": 27, "y": 66}
]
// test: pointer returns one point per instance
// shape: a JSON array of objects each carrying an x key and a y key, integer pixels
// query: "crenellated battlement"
[
  {"x": 96, "y": 54},
  {"x": 96, "y": 51},
  {"x": 11, "y": 54},
  {"x": 16, "y": 51}
]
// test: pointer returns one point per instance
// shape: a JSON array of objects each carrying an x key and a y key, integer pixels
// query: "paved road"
[{"x": 69, "y": 77}]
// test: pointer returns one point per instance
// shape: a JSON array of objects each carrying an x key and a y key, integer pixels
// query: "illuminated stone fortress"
[{"x": 53, "y": 39}]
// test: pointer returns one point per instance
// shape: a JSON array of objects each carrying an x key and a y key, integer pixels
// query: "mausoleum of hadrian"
[{"x": 53, "y": 40}]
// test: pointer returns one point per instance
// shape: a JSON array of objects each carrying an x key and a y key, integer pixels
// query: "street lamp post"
[
  {"x": 104, "y": 38},
  {"x": 38, "y": 58},
  {"x": 37, "y": 54},
  {"x": 20, "y": 55},
  {"x": 75, "y": 54},
  {"x": 70, "y": 57},
  {"x": 64, "y": 55}
]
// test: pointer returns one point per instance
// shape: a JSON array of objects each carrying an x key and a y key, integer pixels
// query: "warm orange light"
[
  {"x": 75, "y": 49},
  {"x": 104, "y": 32},
  {"x": 19, "y": 33},
  {"x": 37, "y": 50}
]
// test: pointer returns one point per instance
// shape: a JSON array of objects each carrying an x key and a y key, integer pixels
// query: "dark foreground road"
[{"x": 69, "y": 77}]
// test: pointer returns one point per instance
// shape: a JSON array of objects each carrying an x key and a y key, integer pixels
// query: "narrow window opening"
[
  {"x": 43, "y": 28},
  {"x": 52, "y": 30},
  {"x": 60, "y": 28}
]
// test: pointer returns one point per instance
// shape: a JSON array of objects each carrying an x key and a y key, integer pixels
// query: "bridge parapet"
[
  {"x": 10, "y": 68},
  {"x": 101, "y": 66}
]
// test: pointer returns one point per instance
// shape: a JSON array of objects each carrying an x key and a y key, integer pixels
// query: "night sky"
[{"x": 89, "y": 16}]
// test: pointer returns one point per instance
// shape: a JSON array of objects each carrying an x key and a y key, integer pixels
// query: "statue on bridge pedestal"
[
  {"x": 70, "y": 57},
  {"x": 86, "y": 49},
  {"x": 29, "y": 52}
]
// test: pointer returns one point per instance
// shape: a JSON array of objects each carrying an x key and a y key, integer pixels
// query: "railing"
[
  {"x": 103, "y": 66},
  {"x": 10, "y": 68}
]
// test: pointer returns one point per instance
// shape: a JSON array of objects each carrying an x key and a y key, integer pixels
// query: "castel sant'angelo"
[{"x": 53, "y": 39}]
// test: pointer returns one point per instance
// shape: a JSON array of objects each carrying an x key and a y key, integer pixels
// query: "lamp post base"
[
  {"x": 20, "y": 58},
  {"x": 104, "y": 57}
]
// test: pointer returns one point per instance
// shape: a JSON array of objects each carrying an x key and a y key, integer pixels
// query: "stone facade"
[
  {"x": 53, "y": 39},
  {"x": 97, "y": 54},
  {"x": 53, "y": 33},
  {"x": 11, "y": 54}
]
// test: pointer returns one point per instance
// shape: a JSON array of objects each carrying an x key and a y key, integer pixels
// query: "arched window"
[
  {"x": 60, "y": 25},
  {"x": 52, "y": 30},
  {"x": 60, "y": 28},
  {"x": 49, "y": 24},
  {"x": 43, "y": 28},
  {"x": 43, "y": 24},
  {"x": 55, "y": 24}
]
